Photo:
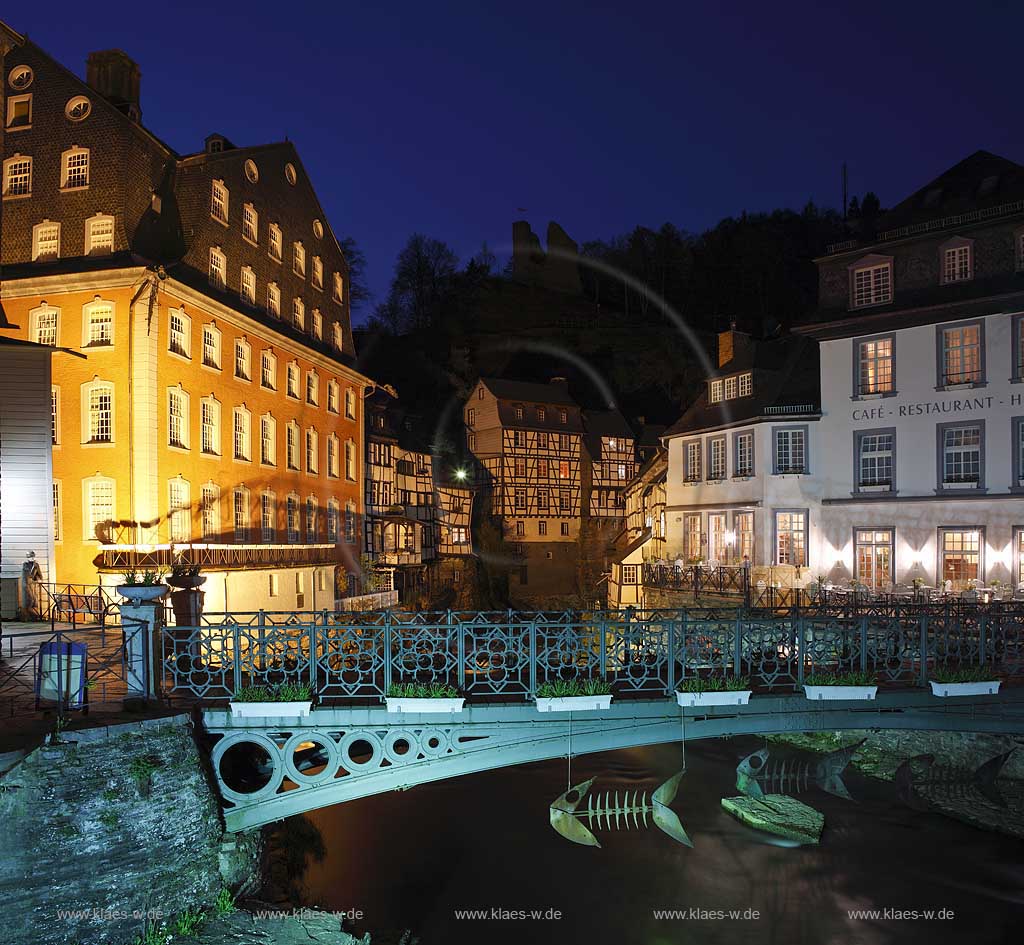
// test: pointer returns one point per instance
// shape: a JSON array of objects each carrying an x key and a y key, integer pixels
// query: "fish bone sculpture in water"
[
  {"x": 922, "y": 774},
  {"x": 567, "y": 818},
  {"x": 756, "y": 775}
]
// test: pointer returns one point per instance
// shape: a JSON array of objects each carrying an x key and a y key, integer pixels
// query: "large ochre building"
[{"x": 216, "y": 415}]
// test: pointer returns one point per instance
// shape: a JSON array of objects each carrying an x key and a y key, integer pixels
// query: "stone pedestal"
[{"x": 142, "y": 622}]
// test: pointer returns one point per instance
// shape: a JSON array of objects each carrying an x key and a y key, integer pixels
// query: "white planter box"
[
  {"x": 404, "y": 704},
  {"x": 138, "y": 593},
  {"x": 573, "y": 703},
  {"x": 840, "y": 692},
  {"x": 959, "y": 485},
  {"x": 269, "y": 710},
  {"x": 984, "y": 688},
  {"x": 736, "y": 697}
]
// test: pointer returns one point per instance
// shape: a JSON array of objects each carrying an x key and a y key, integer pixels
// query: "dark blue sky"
[{"x": 445, "y": 118}]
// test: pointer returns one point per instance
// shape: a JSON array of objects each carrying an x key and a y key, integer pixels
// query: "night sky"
[{"x": 453, "y": 119}]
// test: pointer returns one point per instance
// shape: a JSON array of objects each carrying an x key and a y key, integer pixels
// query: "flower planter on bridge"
[
  {"x": 840, "y": 692},
  {"x": 411, "y": 704},
  {"x": 723, "y": 697},
  {"x": 983, "y": 688},
  {"x": 271, "y": 710},
  {"x": 572, "y": 703},
  {"x": 142, "y": 593}
]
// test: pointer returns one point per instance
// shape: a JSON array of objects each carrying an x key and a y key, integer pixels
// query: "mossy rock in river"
[{"x": 778, "y": 814}]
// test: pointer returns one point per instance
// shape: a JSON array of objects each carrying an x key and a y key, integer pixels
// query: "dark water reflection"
[{"x": 408, "y": 860}]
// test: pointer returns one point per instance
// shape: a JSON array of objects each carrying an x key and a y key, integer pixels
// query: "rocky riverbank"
[{"x": 883, "y": 752}]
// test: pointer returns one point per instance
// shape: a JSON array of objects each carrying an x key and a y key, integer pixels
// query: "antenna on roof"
[{"x": 845, "y": 201}]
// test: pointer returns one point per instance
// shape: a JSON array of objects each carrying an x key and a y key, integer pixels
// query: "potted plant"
[
  {"x": 185, "y": 576},
  {"x": 138, "y": 586},
  {"x": 714, "y": 690},
  {"x": 186, "y": 599},
  {"x": 573, "y": 695},
  {"x": 972, "y": 681},
  {"x": 283, "y": 700},
  {"x": 423, "y": 697},
  {"x": 840, "y": 686}
]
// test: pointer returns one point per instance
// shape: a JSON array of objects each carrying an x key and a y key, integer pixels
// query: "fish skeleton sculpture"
[
  {"x": 567, "y": 818},
  {"x": 921, "y": 772},
  {"x": 756, "y": 775}
]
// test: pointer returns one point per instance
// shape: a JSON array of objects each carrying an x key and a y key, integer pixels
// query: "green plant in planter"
[
  {"x": 965, "y": 674},
  {"x": 183, "y": 570},
  {"x": 133, "y": 577},
  {"x": 280, "y": 692},
  {"x": 566, "y": 688},
  {"x": 414, "y": 690},
  {"x": 840, "y": 679},
  {"x": 698, "y": 684}
]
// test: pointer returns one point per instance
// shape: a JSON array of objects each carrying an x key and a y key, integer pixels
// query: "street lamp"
[{"x": 460, "y": 474}]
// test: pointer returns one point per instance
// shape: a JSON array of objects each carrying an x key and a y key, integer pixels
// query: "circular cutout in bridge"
[{"x": 246, "y": 767}]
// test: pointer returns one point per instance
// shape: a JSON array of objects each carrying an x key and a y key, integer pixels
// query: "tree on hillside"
[
  {"x": 422, "y": 287},
  {"x": 358, "y": 293}
]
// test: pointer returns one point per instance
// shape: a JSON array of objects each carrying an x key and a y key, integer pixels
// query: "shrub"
[
  {"x": 142, "y": 767},
  {"x": 565, "y": 688},
  {"x": 281, "y": 692},
  {"x": 715, "y": 684},
  {"x": 189, "y": 921},
  {"x": 413, "y": 690},
  {"x": 224, "y": 904}
]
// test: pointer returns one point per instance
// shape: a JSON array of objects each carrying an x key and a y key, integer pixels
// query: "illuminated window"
[
  {"x": 299, "y": 259},
  {"x": 875, "y": 454},
  {"x": 962, "y": 455},
  {"x": 211, "y": 346},
  {"x": 45, "y": 241},
  {"x": 74, "y": 174},
  {"x": 791, "y": 538},
  {"x": 209, "y": 511},
  {"x": 242, "y": 435},
  {"x": 318, "y": 273},
  {"x": 692, "y": 454},
  {"x": 318, "y": 324},
  {"x": 960, "y": 555},
  {"x": 99, "y": 507},
  {"x": 18, "y": 176},
  {"x": 209, "y": 426},
  {"x": 240, "y": 514},
  {"x": 746, "y": 384},
  {"x": 250, "y": 223},
  {"x": 219, "y": 201},
  {"x": 247, "y": 286},
  {"x": 99, "y": 235},
  {"x": 177, "y": 418},
  {"x": 338, "y": 287},
  {"x": 218, "y": 268},
  {"x": 743, "y": 454},
  {"x": 19, "y": 112},
  {"x": 299, "y": 313},
  {"x": 243, "y": 360},
  {"x": 312, "y": 451},
  {"x": 273, "y": 299},
  {"x": 268, "y": 370},
  {"x": 98, "y": 403},
  {"x": 275, "y": 242},
  {"x": 268, "y": 518},
  {"x": 956, "y": 263},
  {"x": 179, "y": 510},
  {"x": 875, "y": 371},
  {"x": 179, "y": 340},
  {"x": 268, "y": 440},
  {"x": 962, "y": 354},
  {"x": 99, "y": 324}
]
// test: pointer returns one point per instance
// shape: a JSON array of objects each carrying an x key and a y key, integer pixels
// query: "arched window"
[
  {"x": 98, "y": 324},
  {"x": 98, "y": 507},
  {"x": 179, "y": 333},
  {"x": 74, "y": 169},
  {"x": 98, "y": 412}
]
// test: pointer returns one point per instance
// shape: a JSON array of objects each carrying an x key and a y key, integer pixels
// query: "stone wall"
[{"x": 118, "y": 820}]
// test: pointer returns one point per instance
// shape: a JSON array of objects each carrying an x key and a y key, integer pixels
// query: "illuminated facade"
[{"x": 216, "y": 415}]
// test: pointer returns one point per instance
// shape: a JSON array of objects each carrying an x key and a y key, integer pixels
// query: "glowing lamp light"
[
  {"x": 730, "y": 538},
  {"x": 460, "y": 474}
]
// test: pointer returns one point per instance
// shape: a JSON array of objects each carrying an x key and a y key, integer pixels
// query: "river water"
[{"x": 411, "y": 859}]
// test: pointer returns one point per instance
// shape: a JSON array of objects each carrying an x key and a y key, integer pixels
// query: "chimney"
[
  {"x": 730, "y": 344},
  {"x": 116, "y": 76}
]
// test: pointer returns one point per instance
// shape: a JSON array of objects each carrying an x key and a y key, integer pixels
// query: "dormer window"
[
  {"x": 219, "y": 201},
  {"x": 957, "y": 261},
  {"x": 715, "y": 392},
  {"x": 45, "y": 241},
  {"x": 746, "y": 384},
  {"x": 871, "y": 282},
  {"x": 729, "y": 388}
]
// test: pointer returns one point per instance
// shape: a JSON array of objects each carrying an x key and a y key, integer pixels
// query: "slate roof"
[
  {"x": 528, "y": 391},
  {"x": 785, "y": 374}
]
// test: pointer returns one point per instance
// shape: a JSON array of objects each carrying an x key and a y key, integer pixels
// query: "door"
[{"x": 873, "y": 548}]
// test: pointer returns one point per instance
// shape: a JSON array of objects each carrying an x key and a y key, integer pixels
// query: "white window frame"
[
  {"x": 802, "y": 530},
  {"x": 333, "y": 396},
  {"x": 51, "y": 229},
  {"x": 220, "y": 198},
  {"x": 88, "y": 389},
  {"x": 317, "y": 274},
  {"x": 275, "y": 242},
  {"x": 209, "y": 420},
  {"x": 209, "y": 511},
  {"x": 268, "y": 503},
  {"x": 350, "y": 461},
  {"x": 18, "y": 176},
  {"x": 12, "y": 102},
  {"x": 338, "y": 288},
  {"x": 38, "y": 334},
  {"x": 317, "y": 324},
  {"x": 211, "y": 330},
  {"x": 292, "y": 446},
  {"x": 274, "y": 299},
  {"x": 784, "y": 444},
  {"x": 183, "y": 349},
  {"x": 89, "y": 311},
  {"x": 746, "y": 384},
  {"x": 715, "y": 388},
  {"x": 299, "y": 313},
  {"x": 743, "y": 454},
  {"x": 58, "y": 511},
  {"x": 312, "y": 515},
  {"x": 90, "y": 521},
  {"x": 292, "y": 521},
  {"x": 250, "y": 224},
  {"x": 312, "y": 388},
  {"x": 247, "y": 285},
  {"x": 350, "y": 403},
  {"x": 241, "y": 529},
  {"x": 74, "y": 154},
  {"x": 875, "y": 366},
  {"x": 333, "y": 457},
  {"x": 218, "y": 268},
  {"x": 241, "y": 434},
  {"x": 179, "y": 512},
  {"x": 99, "y": 246},
  {"x": 55, "y": 435},
  {"x": 333, "y": 521},
  {"x": 871, "y": 283},
  {"x": 293, "y": 378},
  {"x": 299, "y": 259},
  {"x": 268, "y": 368},
  {"x": 956, "y": 261},
  {"x": 336, "y": 336},
  {"x": 179, "y": 394},
  {"x": 243, "y": 346},
  {"x": 268, "y": 436},
  {"x": 311, "y": 450}
]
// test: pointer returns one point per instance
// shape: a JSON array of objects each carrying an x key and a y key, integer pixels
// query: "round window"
[
  {"x": 78, "y": 108},
  {"x": 318, "y": 229},
  {"x": 20, "y": 77},
  {"x": 289, "y": 173},
  {"x": 252, "y": 171}
]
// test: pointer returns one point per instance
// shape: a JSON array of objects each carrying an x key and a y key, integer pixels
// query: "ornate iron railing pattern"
[{"x": 507, "y": 655}]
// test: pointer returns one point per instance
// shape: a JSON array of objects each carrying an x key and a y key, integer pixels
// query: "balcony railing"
[{"x": 123, "y": 557}]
